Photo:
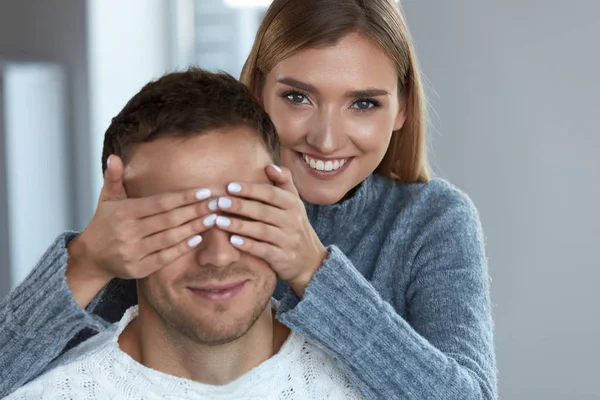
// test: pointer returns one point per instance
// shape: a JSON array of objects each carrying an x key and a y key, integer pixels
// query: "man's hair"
[{"x": 186, "y": 104}]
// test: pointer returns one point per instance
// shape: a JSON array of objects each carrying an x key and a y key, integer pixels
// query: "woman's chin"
[{"x": 320, "y": 195}]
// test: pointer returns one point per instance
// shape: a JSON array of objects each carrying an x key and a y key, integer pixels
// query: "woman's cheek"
[
  {"x": 291, "y": 126},
  {"x": 370, "y": 134}
]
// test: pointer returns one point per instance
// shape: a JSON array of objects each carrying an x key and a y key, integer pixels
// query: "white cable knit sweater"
[{"x": 98, "y": 369}]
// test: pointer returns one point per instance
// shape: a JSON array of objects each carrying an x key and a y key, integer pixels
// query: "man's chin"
[{"x": 216, "y": 330}]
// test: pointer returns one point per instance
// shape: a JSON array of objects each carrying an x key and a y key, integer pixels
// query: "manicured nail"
[
  {"x": 108, "y": 161},
  {"x": 210, "y": 220},
  {"x": 234, "y": 187},
  {"x": 224, "y": 202},
  {"x": 195, "y": 241},
  {"x": 276, "y": 168},
  {"x": 223, "y": 221},
  {"x": 212, "y": 205},
  {"x": 203, "y": 194},
  {"x": 236, "y": 240}
]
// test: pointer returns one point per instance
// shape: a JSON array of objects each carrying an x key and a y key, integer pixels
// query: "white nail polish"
[
  {"x": 234, "y": 187},
  {"x": 210, "y": 220},
  {"x": 236, "y": 240},
  {"x": 276, "y": 168},
  {"x": 223, "y": 221},
  {"x": 212, "y": 205},
  {"x": 195, "y": 241},
  {"x": 203, "y": 194},
  {"x": 224, "y": 202}
]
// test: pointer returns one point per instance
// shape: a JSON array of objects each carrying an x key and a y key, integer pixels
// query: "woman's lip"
[
  {"x": 325, "y": 159},
  {"x": 323, "y": 175}
]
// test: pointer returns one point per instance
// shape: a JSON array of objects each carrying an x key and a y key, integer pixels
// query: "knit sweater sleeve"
[
  {"x": 444, "y": 347},
  {"x": 39, "y": 318}
]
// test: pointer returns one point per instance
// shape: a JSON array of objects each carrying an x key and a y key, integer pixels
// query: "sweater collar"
[{"x": 349, "y": 212}]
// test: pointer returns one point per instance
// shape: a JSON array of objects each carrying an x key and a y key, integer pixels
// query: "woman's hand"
[
  {"x": 274, "y": 227},
  {"x": 132, "y": 238}
]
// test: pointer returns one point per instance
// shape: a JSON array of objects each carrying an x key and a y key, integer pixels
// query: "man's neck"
[{"x": 158, "y": 348}]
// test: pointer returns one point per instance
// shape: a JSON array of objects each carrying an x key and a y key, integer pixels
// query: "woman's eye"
[
  {"x": 297, "y": 98},
  {"x": 363, "y": 104}
]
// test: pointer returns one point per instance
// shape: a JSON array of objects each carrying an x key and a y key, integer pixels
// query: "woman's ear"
[
  {"x": 258, "y": 83},
  {"x": 401, "y": 116}
]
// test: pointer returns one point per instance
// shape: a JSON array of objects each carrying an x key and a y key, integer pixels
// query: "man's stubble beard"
[{"x": 220, "y": 329}]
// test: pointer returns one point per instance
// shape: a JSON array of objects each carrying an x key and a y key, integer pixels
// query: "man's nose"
[{"x": 216, "y": 249}]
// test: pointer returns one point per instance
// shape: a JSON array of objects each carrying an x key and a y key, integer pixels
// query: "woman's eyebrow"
[
  {"x": 307, "y": 87},
  {"x": 369, "y": 92}
]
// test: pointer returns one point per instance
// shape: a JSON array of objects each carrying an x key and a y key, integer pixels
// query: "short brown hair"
[
  {"x": 290, "y": 26},
  {"x": 184, "y": 104}
]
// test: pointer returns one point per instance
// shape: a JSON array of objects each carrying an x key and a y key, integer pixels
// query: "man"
[{"x": 204, "y": 326}]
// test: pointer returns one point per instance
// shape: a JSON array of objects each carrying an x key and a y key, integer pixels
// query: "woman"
[{"x": 380, "y": 266}]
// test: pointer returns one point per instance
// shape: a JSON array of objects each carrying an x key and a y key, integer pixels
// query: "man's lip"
[{"x": 219, "y": 286}]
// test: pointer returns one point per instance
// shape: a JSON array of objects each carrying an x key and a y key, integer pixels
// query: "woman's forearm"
[
  {"x": 38, "y": 319},
  {"x": 83, "y": 283},
  {"x": 383, "y": 353}
]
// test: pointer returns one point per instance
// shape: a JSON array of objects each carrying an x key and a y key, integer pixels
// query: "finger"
[
  {"x": 262, "y": 250},
  {"x": 166, "y": 239},
  {"x": 265, "y": 193},
  {"x": 162, "y": 203},
  {"x": 171, "y": 219},
  {"x": 160, "y": 259},
  {"x": 252, "y": 229},
  {"x": 112, "y": 188},
  {"x": 251, "y": 209},
  {"x": 281, "y": 177}
]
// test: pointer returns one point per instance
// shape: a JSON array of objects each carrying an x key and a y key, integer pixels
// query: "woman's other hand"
[{"x": 274, "y": 226}]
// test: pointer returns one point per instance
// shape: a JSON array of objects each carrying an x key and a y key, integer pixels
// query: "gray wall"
[
  {"x": 4, "y": 243},
  {"x": 53, "y": 30},
  {"x": 515, "y": 87}
]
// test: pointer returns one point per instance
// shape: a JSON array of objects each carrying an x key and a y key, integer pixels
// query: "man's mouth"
[{"x": 218, "y": 291}]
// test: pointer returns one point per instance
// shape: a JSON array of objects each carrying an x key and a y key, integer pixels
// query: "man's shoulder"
[
  {"x": 61, "y": 377},
  {"x": 320, "y": 373}
]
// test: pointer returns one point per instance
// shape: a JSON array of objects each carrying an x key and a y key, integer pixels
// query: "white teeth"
[{"x": 327, "y": 166}]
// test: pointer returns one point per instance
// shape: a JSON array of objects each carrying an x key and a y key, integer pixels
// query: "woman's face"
[{"x": 335, "y": 109}]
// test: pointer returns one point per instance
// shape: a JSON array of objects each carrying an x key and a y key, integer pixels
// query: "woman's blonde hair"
[{"x": 290, "y": 26}]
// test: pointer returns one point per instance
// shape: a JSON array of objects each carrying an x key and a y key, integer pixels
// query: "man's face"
[{"x": 178, "y": 292}]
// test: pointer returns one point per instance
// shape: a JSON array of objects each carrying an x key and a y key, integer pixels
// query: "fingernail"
[
  {"x": 108, "y": 161},
  {"x": 195, "y": 241},
  {"x": 203, "y": 194},
  {"x": 234, "y": 187},
  {"x": 223, "y": 221},
  {"x": 210, "y": 220},
  {"x": 276, "y": 168},
  {"x": 224, "y": 202},
  {"x": 212, "y": 205},
  {"x": 236, "y": 240}
]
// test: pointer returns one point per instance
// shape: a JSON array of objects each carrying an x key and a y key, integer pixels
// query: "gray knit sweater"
[{"x": 402, "y": 302}]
